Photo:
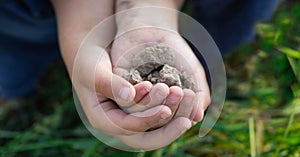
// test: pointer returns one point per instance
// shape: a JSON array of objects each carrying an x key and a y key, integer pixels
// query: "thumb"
[
  {"x": 114, "y": 87},
  {"x": 94, "y": 68}
]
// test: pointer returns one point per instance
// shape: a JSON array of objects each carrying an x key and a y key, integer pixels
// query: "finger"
[
  {"x": 200, "y": 103},
  {"x": 142, "y": 89},
  {"x": 172, "y": 101},
  {"x": 186, "y": 105},
  {"x": 157, "y": 95},
  {"x": 107, "y": 117},
  {"x": 160, "y": 137},
  {"x": 202, "y": 97},
  {"x": 139, "y": 121},
  {"x": 113, "y": 86},
  {"x": 174, "y": 98}
]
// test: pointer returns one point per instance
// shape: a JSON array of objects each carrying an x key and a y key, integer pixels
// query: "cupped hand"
[
  {"x": 184, "y": 102},
  {"x": 96, "y": 88}
]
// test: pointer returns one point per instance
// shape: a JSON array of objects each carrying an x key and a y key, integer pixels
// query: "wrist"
[
  {"x": 75, "y": 19},
  {"x": 147, "y": 13},
  {"x": 130, "y": 4}
]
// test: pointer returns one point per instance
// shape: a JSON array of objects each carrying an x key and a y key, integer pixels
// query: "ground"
[{"x": 260, "y": 116}]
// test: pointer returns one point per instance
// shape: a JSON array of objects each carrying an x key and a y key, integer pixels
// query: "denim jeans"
[{"x": 28, "y": 35}]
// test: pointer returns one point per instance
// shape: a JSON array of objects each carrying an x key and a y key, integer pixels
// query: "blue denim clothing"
[
  {"x": 231, "y": 22},
  {"x": 28, "y": 44},
  {"x": 28, "y": 35}
]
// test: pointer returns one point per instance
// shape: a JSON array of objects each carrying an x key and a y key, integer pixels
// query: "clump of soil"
[{"x": 154, "y": 64}]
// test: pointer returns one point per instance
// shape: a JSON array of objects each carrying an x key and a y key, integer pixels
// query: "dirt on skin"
[{"x": 154, "y": 64}]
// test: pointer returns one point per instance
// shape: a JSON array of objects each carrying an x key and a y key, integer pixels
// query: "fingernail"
[
  {"x": 160, "y": 95},
  {"x": 144, "y": 91},
  {"x": 124, "y": 93},
  {"x": 165, "y": 115},
  {"x": 174, "y": 98}
]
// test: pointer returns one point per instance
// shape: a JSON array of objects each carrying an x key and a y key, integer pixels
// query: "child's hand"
[
  {"x": 96, "y": 91},
  {"x": 104, "y": 114},
  {"x": 191, "y": 104},
  {"x": 142, "y": 27},
  {"x": 93, "y": 86}
]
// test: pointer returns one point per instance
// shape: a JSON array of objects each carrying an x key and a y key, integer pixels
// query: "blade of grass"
[
  {"x": 252, "y": 137},
  {"x": 290, "y": 52},
  {"x": 291, "y": 119},
  {"x": 295, "y": 67},
  {"x": 172, "y": 149},
  {"x": 259, "y": 137},
  {"x": 158, "y": 153},
  {"x": 288, "y": 128},
  {"x": 141, "y": 154}
]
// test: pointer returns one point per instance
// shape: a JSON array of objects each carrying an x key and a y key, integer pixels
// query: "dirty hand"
[
  {"x": 139, "y": 28},
  {"x": 92, "y": 81}
]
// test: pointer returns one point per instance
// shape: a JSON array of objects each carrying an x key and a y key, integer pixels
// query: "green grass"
[{"x": 260, "y": 116}]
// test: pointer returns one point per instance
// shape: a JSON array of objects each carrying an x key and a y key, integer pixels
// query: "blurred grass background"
[{"x": 260, "y": 116}]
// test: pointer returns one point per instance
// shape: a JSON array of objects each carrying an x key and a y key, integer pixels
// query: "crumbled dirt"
[{"x": 154, "y": 64}]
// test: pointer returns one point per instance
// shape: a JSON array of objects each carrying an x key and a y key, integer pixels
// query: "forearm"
[
  {"x": 75, "y": 19},
  {"x": 128, "y": 4},
  {"x": 155, "y": 16}
]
